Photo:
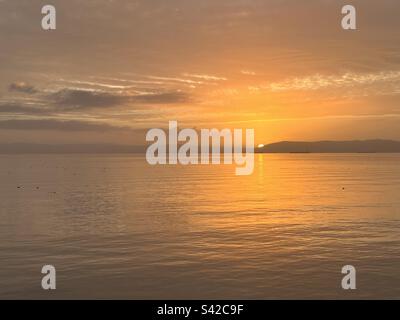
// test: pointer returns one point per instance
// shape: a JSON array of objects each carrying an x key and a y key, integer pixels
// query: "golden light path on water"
[{"x": 116, "y": 227}]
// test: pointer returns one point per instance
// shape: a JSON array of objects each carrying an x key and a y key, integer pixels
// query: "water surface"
[{"x": 116, "y": 227}]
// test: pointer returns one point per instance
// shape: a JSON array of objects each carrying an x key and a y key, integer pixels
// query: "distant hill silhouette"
[{"x": 355, "y": 146}]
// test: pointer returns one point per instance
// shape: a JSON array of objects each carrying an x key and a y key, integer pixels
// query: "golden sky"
[{"x": 114, "y": 69}]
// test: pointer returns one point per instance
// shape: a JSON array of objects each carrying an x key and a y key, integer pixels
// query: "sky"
[{"x": 114, "y": 69}]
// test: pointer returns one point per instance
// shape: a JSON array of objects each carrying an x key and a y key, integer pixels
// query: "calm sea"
[{"x": 115, "y": 227}]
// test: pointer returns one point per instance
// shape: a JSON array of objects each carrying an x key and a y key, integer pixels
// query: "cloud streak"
[
  {"x": 21, "y": 87},
  {"x": 49, "y": 101},
  {"x": 318, "y": 81},
  {"x": 59, "y": 125},
  {"x": 78, "y": 99},
  {"x": 21, "y": 109},
  {"x": 82, "y": 99}
]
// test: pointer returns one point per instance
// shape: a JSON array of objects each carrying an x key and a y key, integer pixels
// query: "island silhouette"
[
  {"x": 347, "y": 146},
  {"x": 352, "y": 146}
]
